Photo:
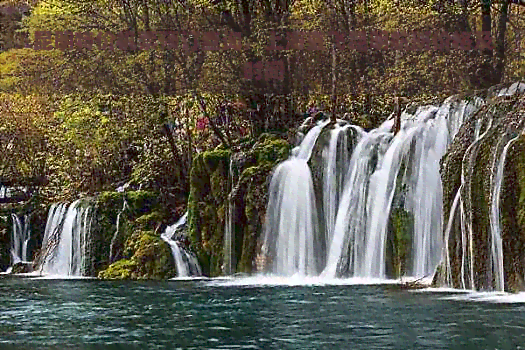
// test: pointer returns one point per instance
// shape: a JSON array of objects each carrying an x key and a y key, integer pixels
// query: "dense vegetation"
[{"x": 79, "y": 122}]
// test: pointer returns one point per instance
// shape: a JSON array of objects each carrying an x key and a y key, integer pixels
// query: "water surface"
[{"x": 222, "y": 314}]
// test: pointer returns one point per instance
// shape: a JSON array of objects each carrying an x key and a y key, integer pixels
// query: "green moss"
[
  {"x": 120, "y": 270},
  {"x": 147, "y": 257},
  {"x": 401, "y": 223},
  {"x": 208, "y": 193},
  {"x": 149, "y": 221},
  {"x": 142, "y": 202},
  {"x": 110, "y": 198},
  {"x": 208, "y": 201},
  {"x": 216, "y": 158},
  {"x": 143, "y": 212},
  {"x": 512, "y": 210},
  {"x": 272, "y": 151}
]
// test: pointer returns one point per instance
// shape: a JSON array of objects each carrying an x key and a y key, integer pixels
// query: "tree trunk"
[
  {"x": 499, "y": 66},
  {"x": 333, "y": 118},
  {"x": 485, "y": 73}
]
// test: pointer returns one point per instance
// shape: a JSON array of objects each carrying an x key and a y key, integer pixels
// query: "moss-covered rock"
[
  {"x": 132, "y": 210},
  {"x": 149, "y": 221},
  {"x": 22, "y": 267},
  {"x": 399, "y": 244},
  {"x": 470, "y": 238},
  {"x": 147, "y": 256},
  {"x": 206, "y": 206},
  {"x": 123, "y": 269},
  {"x": 211, "y": 189}
]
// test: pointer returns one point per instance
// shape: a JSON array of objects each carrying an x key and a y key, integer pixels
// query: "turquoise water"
[{"x": 91, "y": 314}]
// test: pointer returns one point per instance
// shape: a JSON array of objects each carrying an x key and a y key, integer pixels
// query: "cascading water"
[
  {"x": 291, "y": 229},
  {"x": 385, "y": 171},
  {"x": 20, "y": 239},
  {"x": 64, "y": 248},
  {"x": 112, "y": 251},
  {"x": 334, "y": 160},
  {"x": 229, "y": 234},
  {"x": 185, "y": 262},
  {"x": 473, "y": 254},
  {"x": 496, "y": 242}
]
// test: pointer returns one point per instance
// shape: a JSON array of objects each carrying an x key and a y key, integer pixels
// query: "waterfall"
[
  {"x": 473, "y": 254},
  {"x": 112, "y": 252},
  {"x": 496, "y": 242},
  {"x": 185, "y": 262},
  {"x": 229, "y": 233},
  {"x": 20, "y": 239},
  {"x": 467, "y": 273},
  {"x": 64, "y": 247},
  {"x": 359, "y": 191},
  {"x": 335, "y": 160},
  {"x": 291, "y": 229}
]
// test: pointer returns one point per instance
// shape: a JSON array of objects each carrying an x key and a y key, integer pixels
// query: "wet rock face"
[
  {"x": 22, "y": 267},
  {"x": 474, "y": 256},
  {"x": 142, "y": 212},
  {"x": 4, "y": 243},
  {"x": 212, "y": 186},
  {"x": 399, "y": 243}
]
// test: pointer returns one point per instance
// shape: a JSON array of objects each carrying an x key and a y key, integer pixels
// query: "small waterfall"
[
  {"x": 185, "y": 262},
  {"x": 64, "y": 248},
  {"x": 467, "y": 272},
  {"x": 400, "y": 170},
  {"x": 20, "y": 238},
  {"x": 112, "y": 252},
  {"x": 336, "y": 157},
  {"x": 350, "y": 226},
  {"x": 496, "y": 242},
  {"x": 473, "y": 254}
]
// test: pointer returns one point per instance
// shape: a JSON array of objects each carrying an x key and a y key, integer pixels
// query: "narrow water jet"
[
  {"x": 185, "y": 262},
  {"x": 229, "y": 231},
  {"x": 497, "y": 272},
  {"x": 112, "y": 251}
]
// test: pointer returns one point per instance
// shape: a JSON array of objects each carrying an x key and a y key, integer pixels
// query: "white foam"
[
  {"x": 296, "y": 280},
  {"x": 189, "y": 278},
  {"x": 38, "y": 276},
  {"x": 440, "y": 290},
  {"x": 489, "y": 297}
]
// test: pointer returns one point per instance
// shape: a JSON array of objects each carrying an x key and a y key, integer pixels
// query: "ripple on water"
[{"x": 206, "y": 314}]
